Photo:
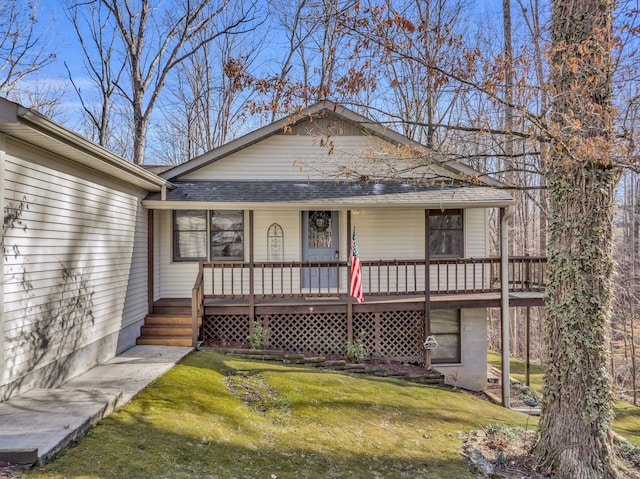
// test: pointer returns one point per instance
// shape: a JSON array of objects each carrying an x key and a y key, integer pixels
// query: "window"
[
  {"x": 194, "y": 229},
  {"x": 227, "y": 235},
  {"x": 320, "y": 229},
  {"x": 445, "y": 326},
  {"x": 189, "y": 235},
  {"x": 445, "y": 233}
]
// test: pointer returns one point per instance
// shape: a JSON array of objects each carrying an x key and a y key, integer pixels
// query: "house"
[
  {"x": 74, "y": 242},
  {"x": 261, "y": 230},
  {"x": 99, "y": 254}
]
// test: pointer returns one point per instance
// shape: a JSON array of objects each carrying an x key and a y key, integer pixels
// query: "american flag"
[{"x": 356, "y": 272}]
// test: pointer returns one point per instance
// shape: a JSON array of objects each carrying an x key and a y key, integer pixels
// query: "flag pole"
[{"x": 349, "y": 297}]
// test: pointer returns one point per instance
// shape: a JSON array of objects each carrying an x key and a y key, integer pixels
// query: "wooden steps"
[{"x": 168, "y": 325}]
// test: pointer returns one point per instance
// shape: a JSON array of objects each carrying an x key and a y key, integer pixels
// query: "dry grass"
[{"x": 214, "y": 416}]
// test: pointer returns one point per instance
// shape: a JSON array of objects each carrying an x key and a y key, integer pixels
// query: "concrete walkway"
[{"x": 37, "y": 424}]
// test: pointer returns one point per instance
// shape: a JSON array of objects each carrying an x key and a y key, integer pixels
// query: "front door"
[{"x": 320, "y": 244}]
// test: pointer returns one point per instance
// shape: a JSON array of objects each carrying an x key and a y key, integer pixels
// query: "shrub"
[
  {"x": 259, "y": 337},
  {"x": 356, "y": 350}
]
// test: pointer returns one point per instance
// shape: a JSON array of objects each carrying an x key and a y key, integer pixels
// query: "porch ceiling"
[{"x": 333, "y": 194}]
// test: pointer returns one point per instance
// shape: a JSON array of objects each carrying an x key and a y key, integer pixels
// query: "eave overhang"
[{"x": 35, "y": 129}]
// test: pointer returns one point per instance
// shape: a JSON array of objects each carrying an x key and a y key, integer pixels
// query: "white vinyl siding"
[
  {"x": 75, "y": 268},
  {"x": 390, "y": 234},
  {"x": 300, "y": 158},
  {"x": 290, "y": 223},
  {"x": 475, "y": 233},
  {"x": 383, "y": 234}
]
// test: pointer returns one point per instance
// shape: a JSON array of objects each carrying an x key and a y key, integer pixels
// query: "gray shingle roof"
[{"x": 332, "y": 193}]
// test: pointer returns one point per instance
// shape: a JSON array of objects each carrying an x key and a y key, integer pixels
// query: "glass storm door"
[{"x": 320, "y": 244}]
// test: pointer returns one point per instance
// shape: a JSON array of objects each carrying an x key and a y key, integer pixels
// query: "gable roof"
[
  {"x": 35, "y": 129},
  {"x": 450, "y": 169}
]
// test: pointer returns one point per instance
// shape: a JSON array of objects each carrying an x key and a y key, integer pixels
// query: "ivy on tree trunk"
[{"x": 575, "y": 428}]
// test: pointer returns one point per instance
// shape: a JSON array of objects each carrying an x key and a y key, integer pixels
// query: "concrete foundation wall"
[{"x": 63, "y": 368}]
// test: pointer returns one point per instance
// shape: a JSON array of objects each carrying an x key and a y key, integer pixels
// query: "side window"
[
  {"x": 446, "y": 234},
  {"x": 189, "y": 235},
  {"x": 227, "y": 235},
  {"x": 445, "y": 326}
]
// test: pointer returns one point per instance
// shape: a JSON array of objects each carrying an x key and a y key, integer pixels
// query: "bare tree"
[
  {"x": 207, "y": 106},
  {"x": 44, "y": 96},
  {"x": 155, "y": 38},
  {"x": 624, "y": 364},
  {"x": 291, "y": 19},
  {"x": 423, "y": 97},
  {"x": 22, "y": 50},
  {"x": 102, "y": 62},
  {"x": 313, "y": 55}
]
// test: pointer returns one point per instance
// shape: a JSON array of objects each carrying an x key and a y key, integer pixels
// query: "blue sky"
[{"x": 59, "y": 32}]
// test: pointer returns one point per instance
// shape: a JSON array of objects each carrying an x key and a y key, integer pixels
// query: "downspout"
[{"x": 505, "y": 215}]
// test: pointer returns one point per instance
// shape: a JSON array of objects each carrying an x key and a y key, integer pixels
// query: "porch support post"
[
  {"x": 427, "y": 289},
  {"x": 252, "y": 297},
  {"x": 505, "y": 214},
  {"x": 349, "y": 298},
  {"x": 527, "y": 346},
  {"x": 150, "y": 261}
]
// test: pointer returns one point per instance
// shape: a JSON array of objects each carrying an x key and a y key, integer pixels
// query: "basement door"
[{"x": 320, "y": 236}]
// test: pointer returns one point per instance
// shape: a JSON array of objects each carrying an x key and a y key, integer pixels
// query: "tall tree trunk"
[
  {"x": 575, "y": 428},
  {"x": 140, "y": 123}
]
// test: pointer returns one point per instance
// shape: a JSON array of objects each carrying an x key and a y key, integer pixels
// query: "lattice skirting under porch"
[{"x": 395, "y": 336}]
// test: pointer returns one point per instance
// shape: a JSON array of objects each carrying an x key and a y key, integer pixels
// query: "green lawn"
[
  {"x": 303, "y": 423},
  {"x": 626, "y": 423}
]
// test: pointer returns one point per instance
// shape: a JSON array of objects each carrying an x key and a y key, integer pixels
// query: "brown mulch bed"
[{"x": 392, "y": 366}]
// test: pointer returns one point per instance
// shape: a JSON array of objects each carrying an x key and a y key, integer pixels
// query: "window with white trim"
[
  {"x": 208, "y": 235},
  {"x": 446, "y": 234},
  {"x": 445, "y": 326},
  {"x": 227, "y": 235},
  {"x": 189, "y": 235}
]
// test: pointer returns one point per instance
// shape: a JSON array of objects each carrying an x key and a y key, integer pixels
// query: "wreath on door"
[{"x": 320, "y": 221}]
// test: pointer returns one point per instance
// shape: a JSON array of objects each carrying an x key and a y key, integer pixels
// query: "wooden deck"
[
  {"x": 268, "y": 304},
  {"x": 229, "y": 297}
]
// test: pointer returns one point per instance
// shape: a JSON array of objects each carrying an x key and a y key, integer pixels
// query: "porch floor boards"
[
  {"x": 438, "y": 301},
  {"x": 522, "y": 298}
]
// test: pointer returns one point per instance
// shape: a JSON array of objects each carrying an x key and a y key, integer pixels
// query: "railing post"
[
  {"x": 196, "y": 305},
  {"x": 427, "y": 289},
  {"x": 252, "y": 296},
  {"x": 150, "y": 260}
]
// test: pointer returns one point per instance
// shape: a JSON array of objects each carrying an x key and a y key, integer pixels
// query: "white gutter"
[
  {"x": 90, "y": 154},
  {"x": 267, "y": 206}
]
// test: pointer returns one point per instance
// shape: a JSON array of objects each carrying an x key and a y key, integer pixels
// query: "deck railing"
[
  {"x": 382, "y": 277},
  {"x": 197, "y": 307}
]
